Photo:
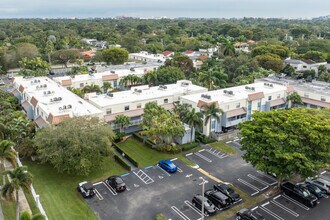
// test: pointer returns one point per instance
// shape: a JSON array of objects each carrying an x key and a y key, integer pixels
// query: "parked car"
[
  {"x": 144, "y": 62},
  {"x": 225, "y": 189},
  {"x": 312, "y": 188},
  {"x": 86, "y": 189},
  {"x": 321, "y": 183},
  {"x": 209, "y": 208},
  {"x": 246, "y": 214},
  {"x": 299, "y": 193},
  {"x": 168, "y": 165},
  {"x": 117, "y": 183},
  {"x": 218, "y": 199}
]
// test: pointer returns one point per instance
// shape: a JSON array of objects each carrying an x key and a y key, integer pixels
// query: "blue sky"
[{"x": 169, "y": 8}]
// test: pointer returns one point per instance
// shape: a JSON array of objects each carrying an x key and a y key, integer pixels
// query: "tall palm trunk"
[
  {"x": 192, "y": 132},
  {"x": 17, "y": 206}
]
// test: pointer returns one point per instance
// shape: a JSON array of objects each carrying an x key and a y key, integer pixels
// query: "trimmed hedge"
[
  {"x": 201, "y": 138},
  {"x": 189, "y": 146},
  {"x": 122, "y": 162},
  {"x": 135, "y": 163},
  {"x": 141, "y": 139}
]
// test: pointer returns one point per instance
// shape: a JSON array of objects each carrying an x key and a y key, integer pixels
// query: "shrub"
[
  {"x": 189, "y": 146},
  {"x": 118, "y": 137},
  {"x": 201, "y": 138},
  {"x": 172, "y": 148},
  {"x": 122, "y": 162},
  {"x": 160, "y": 216},
  {"x": 134, "y": 162}
]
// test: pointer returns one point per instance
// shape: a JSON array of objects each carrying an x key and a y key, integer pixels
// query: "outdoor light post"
[{"x": 203, "y": 189}]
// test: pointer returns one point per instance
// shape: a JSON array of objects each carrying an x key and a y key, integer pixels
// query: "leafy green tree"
[
  {"x": 20, "y": 178},
  {"x": 169, "y": 75},
  {"x": 65, "y": 56},
  {"x": 322, "y": 69},
  {"x": 78, "y": 92},
  {"x": 27, "y": 50},
  {"x": 288, "y": 70},
  {"x": 160, "y": 126},
  {"x": 123, "y": 121},
  {"x": 211, "y": 111},
  {"x": 315, "y": 56},
  {"x": 34, "y": 67},
  {"x": 150, "y": 78},
  {"x": 287, "y": 142},
  {"x": 49, "y": 50},
  {"x": 213, "y": 78},
  {"x": 295, "y": 99},
  {"x": 281, "y": 51},
  {"x": 183, "y": 62},
  {"x": 7, "y": 153},
  {"x": 76, "y": 145},
  {"x": 115, "y": 56},
  {"x": 194, "y": 120},
  {"x": 27, "y": 216},
  {"x": 130, "y": 80},
  {"x": 181, "y": 110},
  {"x": 227, "y": 48},
  {"x": 270, "y": 62}
]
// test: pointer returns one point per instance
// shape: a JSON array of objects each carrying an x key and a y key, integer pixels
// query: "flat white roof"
[
  {"x": 120, "y": 72},
  {"x": 45, "y": 90},
  {"x": 239, "y": 93},
  {"x": 149, "y": 55},
  {"x": 145, "y": 93}
]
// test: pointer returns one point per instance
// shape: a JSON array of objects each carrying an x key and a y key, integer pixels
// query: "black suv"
[
  {"x": 225, "y": 189},
  {"x": 86, "y": 189},
  {"x": 116, "y": 182},
  {"x": 246, "y": 214},
  {"x": 219, "y": 199},
  {"x": 209, "y": 208}
]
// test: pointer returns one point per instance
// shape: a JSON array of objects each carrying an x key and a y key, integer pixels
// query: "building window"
[
  {"x": 269, "y": 98},
  {"x": 323, "y": 99},
  {"x": 138, "y": 105},
  {"x": 238, "y": 105},
  {"x": 126, "y": 107},
  {"x": 278, "y": 96},
  {"x": 306, "y": 95},
  {"x": 304, "y": 66},
  {"x": 165, "y": 101},
  {"x": 115, "y": 84},
  {"x": 259, "y": 105},
  {"x": 109, "y": 111}
]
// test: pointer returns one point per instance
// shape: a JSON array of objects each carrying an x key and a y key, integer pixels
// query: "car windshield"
[
  {"x": 316, "y": 189},
  {"x": 207, "y": 203},
  {"x": 230, "y": 190},
  {"x": 306, "y": 193},
  {"x": 119, "y": 180},
  {"x": 171, "y": 165}
]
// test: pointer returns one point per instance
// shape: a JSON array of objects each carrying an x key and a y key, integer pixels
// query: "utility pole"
[{"x": 203, "y": 189}]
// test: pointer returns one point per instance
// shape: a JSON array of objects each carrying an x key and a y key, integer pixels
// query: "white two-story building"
[
  {"x": 238, "y": 103},
  {"x": 46, "y": 102}
]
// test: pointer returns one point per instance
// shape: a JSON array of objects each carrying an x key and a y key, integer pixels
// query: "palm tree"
[
  {"x": 91, "y": 88},
  {"x": 27, "y": 216},
  {"x": 193, "y": 119},
  {"x": 7, "y": 153},
  {"x": 151, "y": 78},
  {"x": 209, "y": 79},
  {"x": 122, "y": 121},
  {"x": 228, "y": 48},
  {"x": 295, "y": 99},
  {"x": 20, "y": 177},
  {"x": 211, "y": 111},
  {"x": 106, "y": 86}
]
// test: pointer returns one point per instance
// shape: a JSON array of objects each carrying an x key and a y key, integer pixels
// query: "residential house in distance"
[
  {"x": 148, "y": 57},
  {"x": 238, "y": 103},
  {"x": 89, "y": 54},
  {"x": 302, "y": 65},
  {"x": 46, "y": 102},
  {"x": 132, "y": 102},
  {"x": 111, "y": 76},
  {"x": 167, "y": 53},
  {"x": 314, "y": 94},
  {"x": 243, "y": 46}
]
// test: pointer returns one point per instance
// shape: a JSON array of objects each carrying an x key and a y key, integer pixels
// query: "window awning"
[
  {"x": 236, "y": 112},
  {"x": 26, "y": 105},
  {"x": 315, "y": 102},
  {"x": 40, "y": 122},
  {"x": 276, "y": 102},
  {"x": 132, "y": 113}
]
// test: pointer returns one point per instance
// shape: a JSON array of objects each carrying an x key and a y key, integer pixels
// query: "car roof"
[
  {"x": 88, "y": 185},
  {"x": 243, "y": 210},
  {"x": 323, "y": 181}
]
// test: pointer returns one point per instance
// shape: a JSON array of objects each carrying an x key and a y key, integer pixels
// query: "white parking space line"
[
  {"x": 323, "y": 172},
  {"x": 254, "y": 208},
  {"x": 203, "y": 157},
  {"x": 163, "y": 171},
  {"x": 269, "y": 177},
  {"x": 179, "y": 170},
  {"x": 193, "y": 207},
  {"x": 285, "y": 208},
  {"x": 249, "y": 185},
  {"x": 295, "y": 202},
  {"x": 237, "y": 139},
  {"x": 262, "y": 207},
  {"x": 189, "y": 154},
  {"x": 174, "y": 159},
  {"x": 98, "y": 195},
  {"x": 177, "y": 211},
  {"x": 228, "y": 142},
  {"x": 110, "y": 188},
  {"x": 144, "y": 177},
  {"x": 201, "y": 150},
  {"x": 257, "y": 179},
  {"x": 217, "y": 153}
]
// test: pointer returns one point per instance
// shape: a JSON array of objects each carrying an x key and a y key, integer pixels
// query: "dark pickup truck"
[{"x": 299, "y": 193}]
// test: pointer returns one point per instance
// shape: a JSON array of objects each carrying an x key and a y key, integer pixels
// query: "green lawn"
[
  {"x": 58, "y": 193},
  {"x": 8, "y": 209},
  {"x": 223, "y": 147},
  {"x": 146, "y": 156}
]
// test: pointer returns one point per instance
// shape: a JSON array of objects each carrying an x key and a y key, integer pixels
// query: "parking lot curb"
[
  {"x": 210, "y": 176},
  {"x": 195, "y": 167}
]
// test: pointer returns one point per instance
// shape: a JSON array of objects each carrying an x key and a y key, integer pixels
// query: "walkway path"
[{"x": 127, "y": 161}]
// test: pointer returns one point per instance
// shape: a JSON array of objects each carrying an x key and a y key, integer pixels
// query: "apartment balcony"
[
  {"x": 133, "y": 122},
  {"x": 233, "y": 122}
]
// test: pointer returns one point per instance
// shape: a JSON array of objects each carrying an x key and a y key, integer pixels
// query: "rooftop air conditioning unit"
[
  {"x": 253, "y": 88},
  {"x": 246, "y": 87},
  {"x": 60, "y": 108},
  {"x": 225, "y": 91},
  {"x": 112, "y": 71},
  {"x": 51, "y": 100},
  {"x": 69, "y": 106},
  {"x": 230, "y": 92},
  {"x": 64, "y": 106},
  {"x": 49, "y": 92},
  {"x": 45, "y": 93},
  {"x": 55, "y": 99},
  {"x": 59, "y": 98},
  {"x": 111, "y": 95}
]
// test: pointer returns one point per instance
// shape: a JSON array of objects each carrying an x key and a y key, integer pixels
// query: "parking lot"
[
  {"x": 151, "y": 190},
  {"x": 232, "y": 169},
  {"x": 283, "y": 207}
]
